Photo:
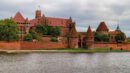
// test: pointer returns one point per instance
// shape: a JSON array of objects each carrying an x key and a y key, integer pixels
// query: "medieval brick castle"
[{"x": 69, "y": 36}]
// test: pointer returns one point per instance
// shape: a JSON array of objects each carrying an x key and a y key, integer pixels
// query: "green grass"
[
  {"x": 66, "y": 50},
  {"x": 81, "y": 50}
]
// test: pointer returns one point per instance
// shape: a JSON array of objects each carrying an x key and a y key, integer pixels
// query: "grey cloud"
[{"x": 84, "y": 12}]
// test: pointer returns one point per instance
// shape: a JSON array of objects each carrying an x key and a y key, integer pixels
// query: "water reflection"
[{"x": 65, "y": 63}]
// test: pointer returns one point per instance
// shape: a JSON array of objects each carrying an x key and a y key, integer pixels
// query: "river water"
[{"x": 65, "y": 63}]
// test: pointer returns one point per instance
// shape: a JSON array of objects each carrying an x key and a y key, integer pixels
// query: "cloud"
[{"x": 83, "y": 12}]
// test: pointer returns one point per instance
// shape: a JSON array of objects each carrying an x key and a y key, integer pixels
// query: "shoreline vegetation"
[{"x": 67, "y": 50}]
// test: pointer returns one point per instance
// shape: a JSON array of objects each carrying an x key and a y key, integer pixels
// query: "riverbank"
[{"x": 67, "y": 50}]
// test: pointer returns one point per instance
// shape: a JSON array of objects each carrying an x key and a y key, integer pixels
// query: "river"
[{"x": 65, "y": 63}]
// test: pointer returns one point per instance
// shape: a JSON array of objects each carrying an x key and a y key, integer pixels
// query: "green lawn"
[
  {"x": 66, "y": 50},
  {"x": 81, "y": 50}
]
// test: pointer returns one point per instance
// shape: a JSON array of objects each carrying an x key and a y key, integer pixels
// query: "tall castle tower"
[
  {"x": 89, "y": 39},
  {"x": 72, "y": 35},
  {"x": 38, "y": 13}
]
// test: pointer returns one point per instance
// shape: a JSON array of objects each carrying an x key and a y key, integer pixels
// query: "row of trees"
[
  {"x": 120, "y": 37},
  {"x": 41, "y": 30},
  {"x": 48, "y": 30}
]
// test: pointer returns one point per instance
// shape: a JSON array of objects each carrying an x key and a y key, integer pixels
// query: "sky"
[{"x": 83, "y": 12}]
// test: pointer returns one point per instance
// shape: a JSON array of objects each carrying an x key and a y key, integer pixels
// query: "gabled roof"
[
  {"x": 56, "y": 21},
  {"x": 18, "y": 17},
  {"x": 102, "y": 27},
  {"x": 73, "y": 32},
  {"x": 89, "y": 32}
]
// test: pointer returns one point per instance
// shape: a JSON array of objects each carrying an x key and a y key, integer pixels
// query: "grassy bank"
[
  {"x": 67, "y": 50},
  {"x": 97, "y": 50}
]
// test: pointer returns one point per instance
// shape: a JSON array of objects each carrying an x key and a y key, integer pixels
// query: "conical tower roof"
[
  {"x": 118, "y": 29},
  {"x": 73, "y": 32},
  {"x": 89, "y": 32},
  {"x": 102, "y": 27},
  {"x": 18, "y": 17}
]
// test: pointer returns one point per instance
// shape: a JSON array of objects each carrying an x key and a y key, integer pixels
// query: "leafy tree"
[
  {"x": 120, "y": 37},
  {"x": 48, "y": 30},
  {"x": 42, "y": 29},
  {"x": 55, "y": 31},
  {"x": 8, "y": 30}
]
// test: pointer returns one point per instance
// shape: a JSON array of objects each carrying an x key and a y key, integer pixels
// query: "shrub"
[
  {"x": 28, "y": 37},
  {"x": 54, "y": 39}
]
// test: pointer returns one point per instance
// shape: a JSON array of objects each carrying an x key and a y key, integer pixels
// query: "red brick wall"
[
  {"x": 41, "y": 45},
  {"x": 9, "y": 45},
  {"x": 125, "y": 46},
  {"x": 54, "y": 45}
]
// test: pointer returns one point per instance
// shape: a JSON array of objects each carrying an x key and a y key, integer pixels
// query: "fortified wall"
[
  {"x": 119, "y": 46},
  {"x": 31, "y": 45}
]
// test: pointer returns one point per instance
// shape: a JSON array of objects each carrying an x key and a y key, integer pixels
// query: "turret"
[
  {"x": 118, "y": 29},
  {"x": 89, "y": 39},
  {"x": 38, "y": 14},
  {"x": 73, "y": 37}
]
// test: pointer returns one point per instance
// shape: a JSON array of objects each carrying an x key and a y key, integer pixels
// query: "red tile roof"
[
  {"x": 89, "y": 32},
  {"x": 19, "y": 18},
  {"x": 56, "y": 21},
  {"x": 73, "y": 32},
  {"x": 102, "y": 27}
]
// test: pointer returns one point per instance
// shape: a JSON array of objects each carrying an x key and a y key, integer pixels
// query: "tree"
[
  {"x": 8, "y": 30},
  {"x": 35, "y": 35},
  {"x": 55, "y": 31},
  {"x": 42, "y": 29},
  {"x": 120, "y": 37},
  {"x": 101, "y": 37},
  {"x": 48, "y": 30}
]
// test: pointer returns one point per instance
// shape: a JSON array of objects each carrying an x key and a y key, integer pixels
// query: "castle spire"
[
  {"x": 38, "y": 13},
  {"x": 89, "y": 32},
  {"x": 118, "y": 28}
]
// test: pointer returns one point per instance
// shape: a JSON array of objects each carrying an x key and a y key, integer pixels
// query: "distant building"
[
  {"x": 68, "y": 35},
  {"x": 86, "y": 39}
]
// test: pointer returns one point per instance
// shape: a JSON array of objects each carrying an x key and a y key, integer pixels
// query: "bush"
[
  {"x": 28, "y": 37},
  {"x": 54, "y": 39}
]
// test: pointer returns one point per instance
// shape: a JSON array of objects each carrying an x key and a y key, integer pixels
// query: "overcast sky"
[{"x": 83, "y": 12}]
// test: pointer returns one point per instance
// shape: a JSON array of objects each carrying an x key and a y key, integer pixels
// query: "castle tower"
[
  {"x": 38, "y": 13},
  {"x": 89, "y": 39},
  {"x": 102, "y": 28},
  {"x": 73, "y": 37}
]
